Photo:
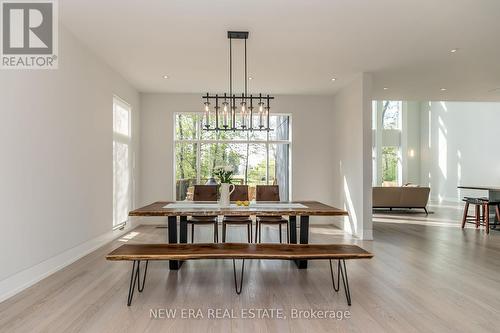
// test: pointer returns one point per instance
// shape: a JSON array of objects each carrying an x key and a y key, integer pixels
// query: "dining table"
[
  {"x": 297, "y": 212},
  {"x": 493, "y": 191}
]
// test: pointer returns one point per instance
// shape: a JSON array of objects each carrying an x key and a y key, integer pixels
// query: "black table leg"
[
  {"x": 304, "y": 239},
  {"x": 183, "y": 233},
  {"x": 172, "y": 239},
  {"x": 183, "y": 230},
  {"x": 293, "y": 229}
]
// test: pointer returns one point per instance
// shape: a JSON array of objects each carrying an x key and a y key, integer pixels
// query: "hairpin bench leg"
[
  {"x": 238, "y": 291},
  {"x": 135, "y": 278},
  {"x": 139, "y": 287},
  {"x": 341, "y": 270},
  {"x": 335, "y": 287}
]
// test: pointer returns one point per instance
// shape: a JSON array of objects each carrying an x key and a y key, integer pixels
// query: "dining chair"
[
  {"x": 205, "y": 193},
  {"x": 269, "y": 193},
  {"x": 240, "y": 193}
]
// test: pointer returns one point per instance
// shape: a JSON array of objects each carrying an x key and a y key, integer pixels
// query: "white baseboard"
[
  {"x": 28, "y": 277},
  {"x": 434, "y": 199},
  {"x": 364, "y": 235}
]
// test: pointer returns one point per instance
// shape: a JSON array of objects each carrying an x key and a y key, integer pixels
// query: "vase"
[{"x": 225, "y": 194}]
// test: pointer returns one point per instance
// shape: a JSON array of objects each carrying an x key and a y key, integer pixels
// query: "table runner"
[{"x": 204, "y": 205}]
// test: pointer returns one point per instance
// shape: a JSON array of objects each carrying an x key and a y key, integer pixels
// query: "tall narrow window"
[
  {"x": 122, "y": 161},
  {"x": 392, "y": 115}
]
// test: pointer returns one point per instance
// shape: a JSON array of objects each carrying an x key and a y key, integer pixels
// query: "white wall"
[
  {"x": 458, "y": 146},
  {"x": 410, "y": 142},
  {"x": 56, "y": 168},
  {"x": 312, "y": 137},
  {"x": 351, "y": 149}
]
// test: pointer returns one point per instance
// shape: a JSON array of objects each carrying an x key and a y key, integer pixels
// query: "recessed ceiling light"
[
  {"x": 333, "y": 79},
  {"x": 250, "y": 78},
  {"x": 166, "y": 76},
  {"x": 443, "y": 89},
  {"x": 453, "y": 50},
  {"x": 385, "y": 88}
]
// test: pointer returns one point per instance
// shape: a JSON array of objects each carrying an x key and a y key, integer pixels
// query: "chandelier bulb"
[{"x": 207, "y": 114}]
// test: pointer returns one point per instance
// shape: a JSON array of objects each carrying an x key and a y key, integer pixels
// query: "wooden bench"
[{"x": 147, "y": 252}]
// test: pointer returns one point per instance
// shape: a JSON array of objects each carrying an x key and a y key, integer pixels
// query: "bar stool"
[
  {"x": 205, "y": 193},
  {"x": 486, "y": 212},
  {"x": 240, "y": 193},
  {"x": 478, "y": 215}
]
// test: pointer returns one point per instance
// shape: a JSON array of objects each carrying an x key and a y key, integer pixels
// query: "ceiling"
[{"x": 296, "y": 46}]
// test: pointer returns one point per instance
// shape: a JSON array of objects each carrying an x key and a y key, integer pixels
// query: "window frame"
[
  {"x": 127, "y": 140},
  {"x": 199, "y": 141}
]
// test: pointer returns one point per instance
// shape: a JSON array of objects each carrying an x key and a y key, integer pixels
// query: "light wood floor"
[{"x": 423, "y": 278}]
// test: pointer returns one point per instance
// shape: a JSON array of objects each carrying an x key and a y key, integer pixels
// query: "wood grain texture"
[
  {"x": 237, "y": 251},
  {"x": 313, "y": 208}
]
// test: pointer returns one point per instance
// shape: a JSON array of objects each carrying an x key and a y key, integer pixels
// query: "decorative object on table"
[
  {"x": 226, "y": 119},
  {"x": 211, "y": 181},
  {"x": 225, "y": 175},
  {"x": 225, "y": 193},
  {"x": 239, "y": 195}
]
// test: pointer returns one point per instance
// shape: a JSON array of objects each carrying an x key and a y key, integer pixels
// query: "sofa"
[{"x": 401, "y": 197}]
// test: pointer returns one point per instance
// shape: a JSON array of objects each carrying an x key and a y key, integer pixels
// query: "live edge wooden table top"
[
  {"x": 294, "y": 210},
  {"x": 261, "y": 208}
]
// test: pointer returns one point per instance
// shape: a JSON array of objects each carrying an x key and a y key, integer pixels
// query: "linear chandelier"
[{"x": 227, "y": 104}]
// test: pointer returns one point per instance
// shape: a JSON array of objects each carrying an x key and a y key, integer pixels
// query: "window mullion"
[
  {"x": 198, "y": 152},
  {"x": 198, "y": 162},
  {"x": 267, "y": 163}
]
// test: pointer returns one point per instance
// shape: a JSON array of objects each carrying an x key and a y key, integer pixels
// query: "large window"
[
  {"x": 392, "y": 123},
  {"x": 122, "y": 157},
  {"x": 257, "y": 158}
]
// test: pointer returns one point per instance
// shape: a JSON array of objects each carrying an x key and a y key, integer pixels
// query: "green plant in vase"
[{"x": 224, "y": 174}]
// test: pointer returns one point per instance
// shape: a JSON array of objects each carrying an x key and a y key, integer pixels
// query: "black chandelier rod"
[
  {"x": 233, "y": 110},
  {"x": 216, "y": 111},
  {"x": 246, "y": 78},
  {"x": 233, "y": 98},
  {"x": 230, "y": 67},
  {"x": 267, "y": 110}
]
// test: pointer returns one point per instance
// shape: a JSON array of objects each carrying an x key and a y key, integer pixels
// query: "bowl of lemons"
[{"x": 242, "y": 203}]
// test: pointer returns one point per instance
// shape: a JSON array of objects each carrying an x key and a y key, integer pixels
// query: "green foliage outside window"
[
  {"x": 390, "y": 164},
  {"x": 248, "y": 160}
]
